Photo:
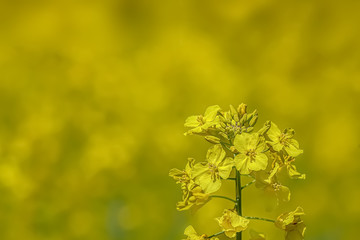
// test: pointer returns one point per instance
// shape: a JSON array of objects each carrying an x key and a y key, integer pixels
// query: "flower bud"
[
  {"x": 290, "y": 132},
  {"x": 233, "y": 149},
  {"x": 243, "y": 119},
  {"x": 251, "y": 115},
  {"x": 253, "y": 120},
  {"x": 265, "y": 128},
  {"x": 212, "y": 139},
  {"x": 223, "y": 135},
  {"x": 234, "y": 113},
  {"x": 249, "y": 129},
  {"x": 242, "y": 109}
]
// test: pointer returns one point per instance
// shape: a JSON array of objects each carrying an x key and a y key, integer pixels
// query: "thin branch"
[
  {"x": 247, "y": 175},
  {"x": 265, "y": 150},
  {"x": 218, "y": 196},
  {"x": 223, "y": 144},
  {"x": 230, "y": 178},
  {"x": 216, "y": 234},
  {"x": 248, "y": 184},
  {"x": 262, "y": 219}
]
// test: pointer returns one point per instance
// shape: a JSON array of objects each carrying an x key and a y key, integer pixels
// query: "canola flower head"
[
  {"x": 269, "y": 182},
  {"x": 193, "y": 196},
  {"x": 263, "y": 155},
  {"x": 192, "y": 193},
  {"x": 251, "y": 156},
  {"x": 193, "y": 235},
  {"x": 231, "y": 223},
  {"x": 183, "y": 176},
  {"x": 283, "y": 140},
  {"x": 200, "y": 123},
  {"x": 209, "y": 174},
  {"x": 287, "y": 164},
  {"x": 292, "y": 223}
]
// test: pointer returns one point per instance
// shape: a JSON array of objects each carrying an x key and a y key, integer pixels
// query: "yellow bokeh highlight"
[{"x": 94, "y": 94}]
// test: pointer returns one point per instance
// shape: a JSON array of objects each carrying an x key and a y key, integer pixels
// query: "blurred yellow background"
[{"x": 94, "y": 94}]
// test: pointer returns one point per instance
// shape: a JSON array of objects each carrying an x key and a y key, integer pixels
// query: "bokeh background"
[{"x": 94, "y": 94}]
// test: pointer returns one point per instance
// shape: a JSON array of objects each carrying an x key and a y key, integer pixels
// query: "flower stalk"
[
  {"x": 248, "y": 184},
  {"x": 218, "y": 196},
  {"x": 259, "y": 218},
  {"x": 238, "y": 200},
  {"x": 216, "y": 234}
]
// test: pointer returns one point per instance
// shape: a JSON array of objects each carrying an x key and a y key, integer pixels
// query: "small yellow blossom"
[
  {"x": 183, "y": 176},
  {"x": 268, "y": 181},
  {"x": 251, "y": 156},
  {"x": 192, "y": 235},
  {"x": 231, "y": 223},
  {"x": 193, "y": 195},
  {"x": 208, "y": 174},
  {"x": 256, "y": 235},
  {"x": 200, "y": 123},
  {"x": 286, "y": 163},
  {"x": 293, "y": 225},
  {"x": 283, "y": 140}
]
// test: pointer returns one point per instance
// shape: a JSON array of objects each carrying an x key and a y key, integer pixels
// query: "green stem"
[
  {"x": 248, "y": 184},
  {"x": 218, "y": 196},
  {"x": 216, "y": 234},
  {"x": 223, "y": 144},
  {"x": 258, "y": 218},
  {"x": 238, "y": 200},
  {"x": 230, "y": 178},
  {"x": 246, "y": 175}
]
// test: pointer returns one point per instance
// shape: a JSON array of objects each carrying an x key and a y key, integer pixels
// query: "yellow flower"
[
  {"x": 293, "y": 225},
  {"x": 268, "y": 182},
  {"x": 200, "y": 123},
  {"x": 231, "y": 223},
  {"x": 208, "y": 174},
  {"x": 192, "y": 235},
  {"x": 286, "y": 163},
  {"x": 193, "y": 195},
  {"x": 256, "y": 235},
  {"x": 251, "y": 156},
  {"x": 283, "y": 140},
  {"x": 183, "y": 176}
]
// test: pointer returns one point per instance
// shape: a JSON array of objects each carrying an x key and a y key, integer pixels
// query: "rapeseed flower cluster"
[{"x": 237, "y": 149}]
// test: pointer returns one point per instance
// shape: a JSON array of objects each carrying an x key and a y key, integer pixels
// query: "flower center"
[
  {"x": 251, "y": 154},
  {"x": 276, "y": 186},
  {"x": 184, "y": 178},
  {"x": 213, "y": 169},
  {"x": 283, "y": 139},
  {"x": 200, "y": 119}
]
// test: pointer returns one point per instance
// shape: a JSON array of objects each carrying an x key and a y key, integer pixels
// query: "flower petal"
[
  {"x": 242, "y": 163},
  {"x": 241, "y": 142},
  {"x": 260, "y": 162},
  {"x": 215, "y": 154},
  {"x": 225, "y": 169},
  {"x": 293, "y": 151},
  {"x": 211, "y": 112},
  {"x": 274, "y": 132},
  {"x": 192, "y": 121}
]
